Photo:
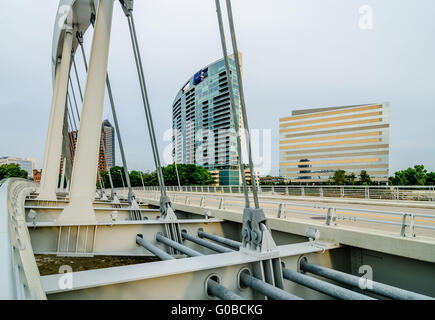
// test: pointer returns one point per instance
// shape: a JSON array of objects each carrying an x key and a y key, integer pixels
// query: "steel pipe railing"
[
  {"x": 204, "y": 243},
  {"x": 153, "y": 249},
  {"x": 248, "y": 280},
  {"x": 354, "y": 281},
  {"x": 215, "y": 288},
  {"x": 322, "y": 286},
  {"x": 221, "y": 292},
  {"x": 222, "y": 240},
  {"x": 266, "y": 289},
  {"x": 177, "y": 246}
]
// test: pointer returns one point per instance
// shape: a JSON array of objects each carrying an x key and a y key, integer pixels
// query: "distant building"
[
  {"x": 225, "y": 177},
  {"x": 202, "y": 122},
  {"x": 233, "y": 177},
  {"x": 37, "y": 175},
  {"x": 108, "y": 135},
  {"x": 109, "y": 143},
  {"x": 27, "y": 164},
  {"x": 269, "y": 180},
  {"x": 315, "y": 143}
]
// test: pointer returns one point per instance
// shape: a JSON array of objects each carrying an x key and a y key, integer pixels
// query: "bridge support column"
[
  {"x": 53, "y": 145},
  {"x": 84, "y": 174}
]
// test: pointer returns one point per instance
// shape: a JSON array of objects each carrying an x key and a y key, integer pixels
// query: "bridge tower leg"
[
  {"x": 84, "y": 174},
  {"x": 53, "y": 145}
]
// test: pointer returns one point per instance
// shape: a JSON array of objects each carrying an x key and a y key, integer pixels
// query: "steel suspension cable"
[
  {"x": 77, "y": 77},
  {"x": 232, "y": 101},
  {"x": 242, "y": 99},
  {"x": 74, "y": 98},
  {"x": 76, "y": 129},
  {"x": 145, "y": 100}
]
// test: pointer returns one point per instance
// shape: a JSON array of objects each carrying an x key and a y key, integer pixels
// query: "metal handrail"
[
  {"x": 414, "y": 193},
  {"x": 406, "y": 221},
  {"x": 19, "y": 276}
]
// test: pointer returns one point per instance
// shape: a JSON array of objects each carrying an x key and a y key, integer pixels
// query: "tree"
[
  {"x": 430, "y": 180},
  {"x": 189, "y": 174},
  {"x": 350, "y": 179},
  {"x": 416, "y": 176},
  {"x": 12, "y": 170},
  {"x": 365, "y": 178},
  {"x": 339, "y": 177}
]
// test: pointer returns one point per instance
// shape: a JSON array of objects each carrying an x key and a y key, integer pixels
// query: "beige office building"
[{"x": 315, "y": 143}]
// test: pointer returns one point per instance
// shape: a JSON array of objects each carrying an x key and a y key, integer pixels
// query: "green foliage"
[
  {"x": 190, "y": 174},
  {"x": 365, "y": 178},
  {"x": 350, "y": 179},
  {"x": 12, "y": 170},
  {"x": 416, "y": 176},
  {"x": 339, "y": 177},
  {"x": 430, "y": 180}
]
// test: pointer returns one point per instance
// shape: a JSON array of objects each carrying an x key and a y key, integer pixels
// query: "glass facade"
[
  {"x": 202, "y": 122},
  {"x": 315, "y": 143},
  {"x": 229, "y": 177}
]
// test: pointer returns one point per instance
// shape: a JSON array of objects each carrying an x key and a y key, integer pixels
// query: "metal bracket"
[
  {"x": 127, "y": 6},
  {"x": 256, "y": 235},
  {"x": 166, "y": 210},
  {"x": 79, "y": 36}
]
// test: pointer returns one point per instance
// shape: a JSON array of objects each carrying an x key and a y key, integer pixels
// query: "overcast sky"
[{"x": 296, "y": 53}]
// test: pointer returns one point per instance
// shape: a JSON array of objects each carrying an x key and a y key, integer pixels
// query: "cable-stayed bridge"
[{"x": 233, "y": 245}]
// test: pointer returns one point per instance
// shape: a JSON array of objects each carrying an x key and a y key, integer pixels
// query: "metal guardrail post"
[
  {"x": 321, "y": 192},
  {"x": 403, "y": 226},
  {"x": 281, "y": 211},
  {"x": 341, "y": 192},
  {"x": 303, "y": 192},
  {"x": 221, "y": 203},
  {"x": 286, "y": 191},
  {"x": 411, "y": 226},
  {"x": 330, "y": 216},
  {"x": 273, "y": 190}
]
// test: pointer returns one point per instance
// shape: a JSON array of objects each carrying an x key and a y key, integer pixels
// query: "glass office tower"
[
  {"x": 202, "y": 122},
  {"x": 315, "y": 143}
]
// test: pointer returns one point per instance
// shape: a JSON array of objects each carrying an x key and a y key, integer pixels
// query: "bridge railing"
[
  {"x": 410, "y": 193},
  {"x": 406, "y": 224},
  {"x": 19, "y": 274}
]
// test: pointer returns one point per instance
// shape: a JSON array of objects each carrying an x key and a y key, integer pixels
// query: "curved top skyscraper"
[{"x": 202, "y": 123}]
